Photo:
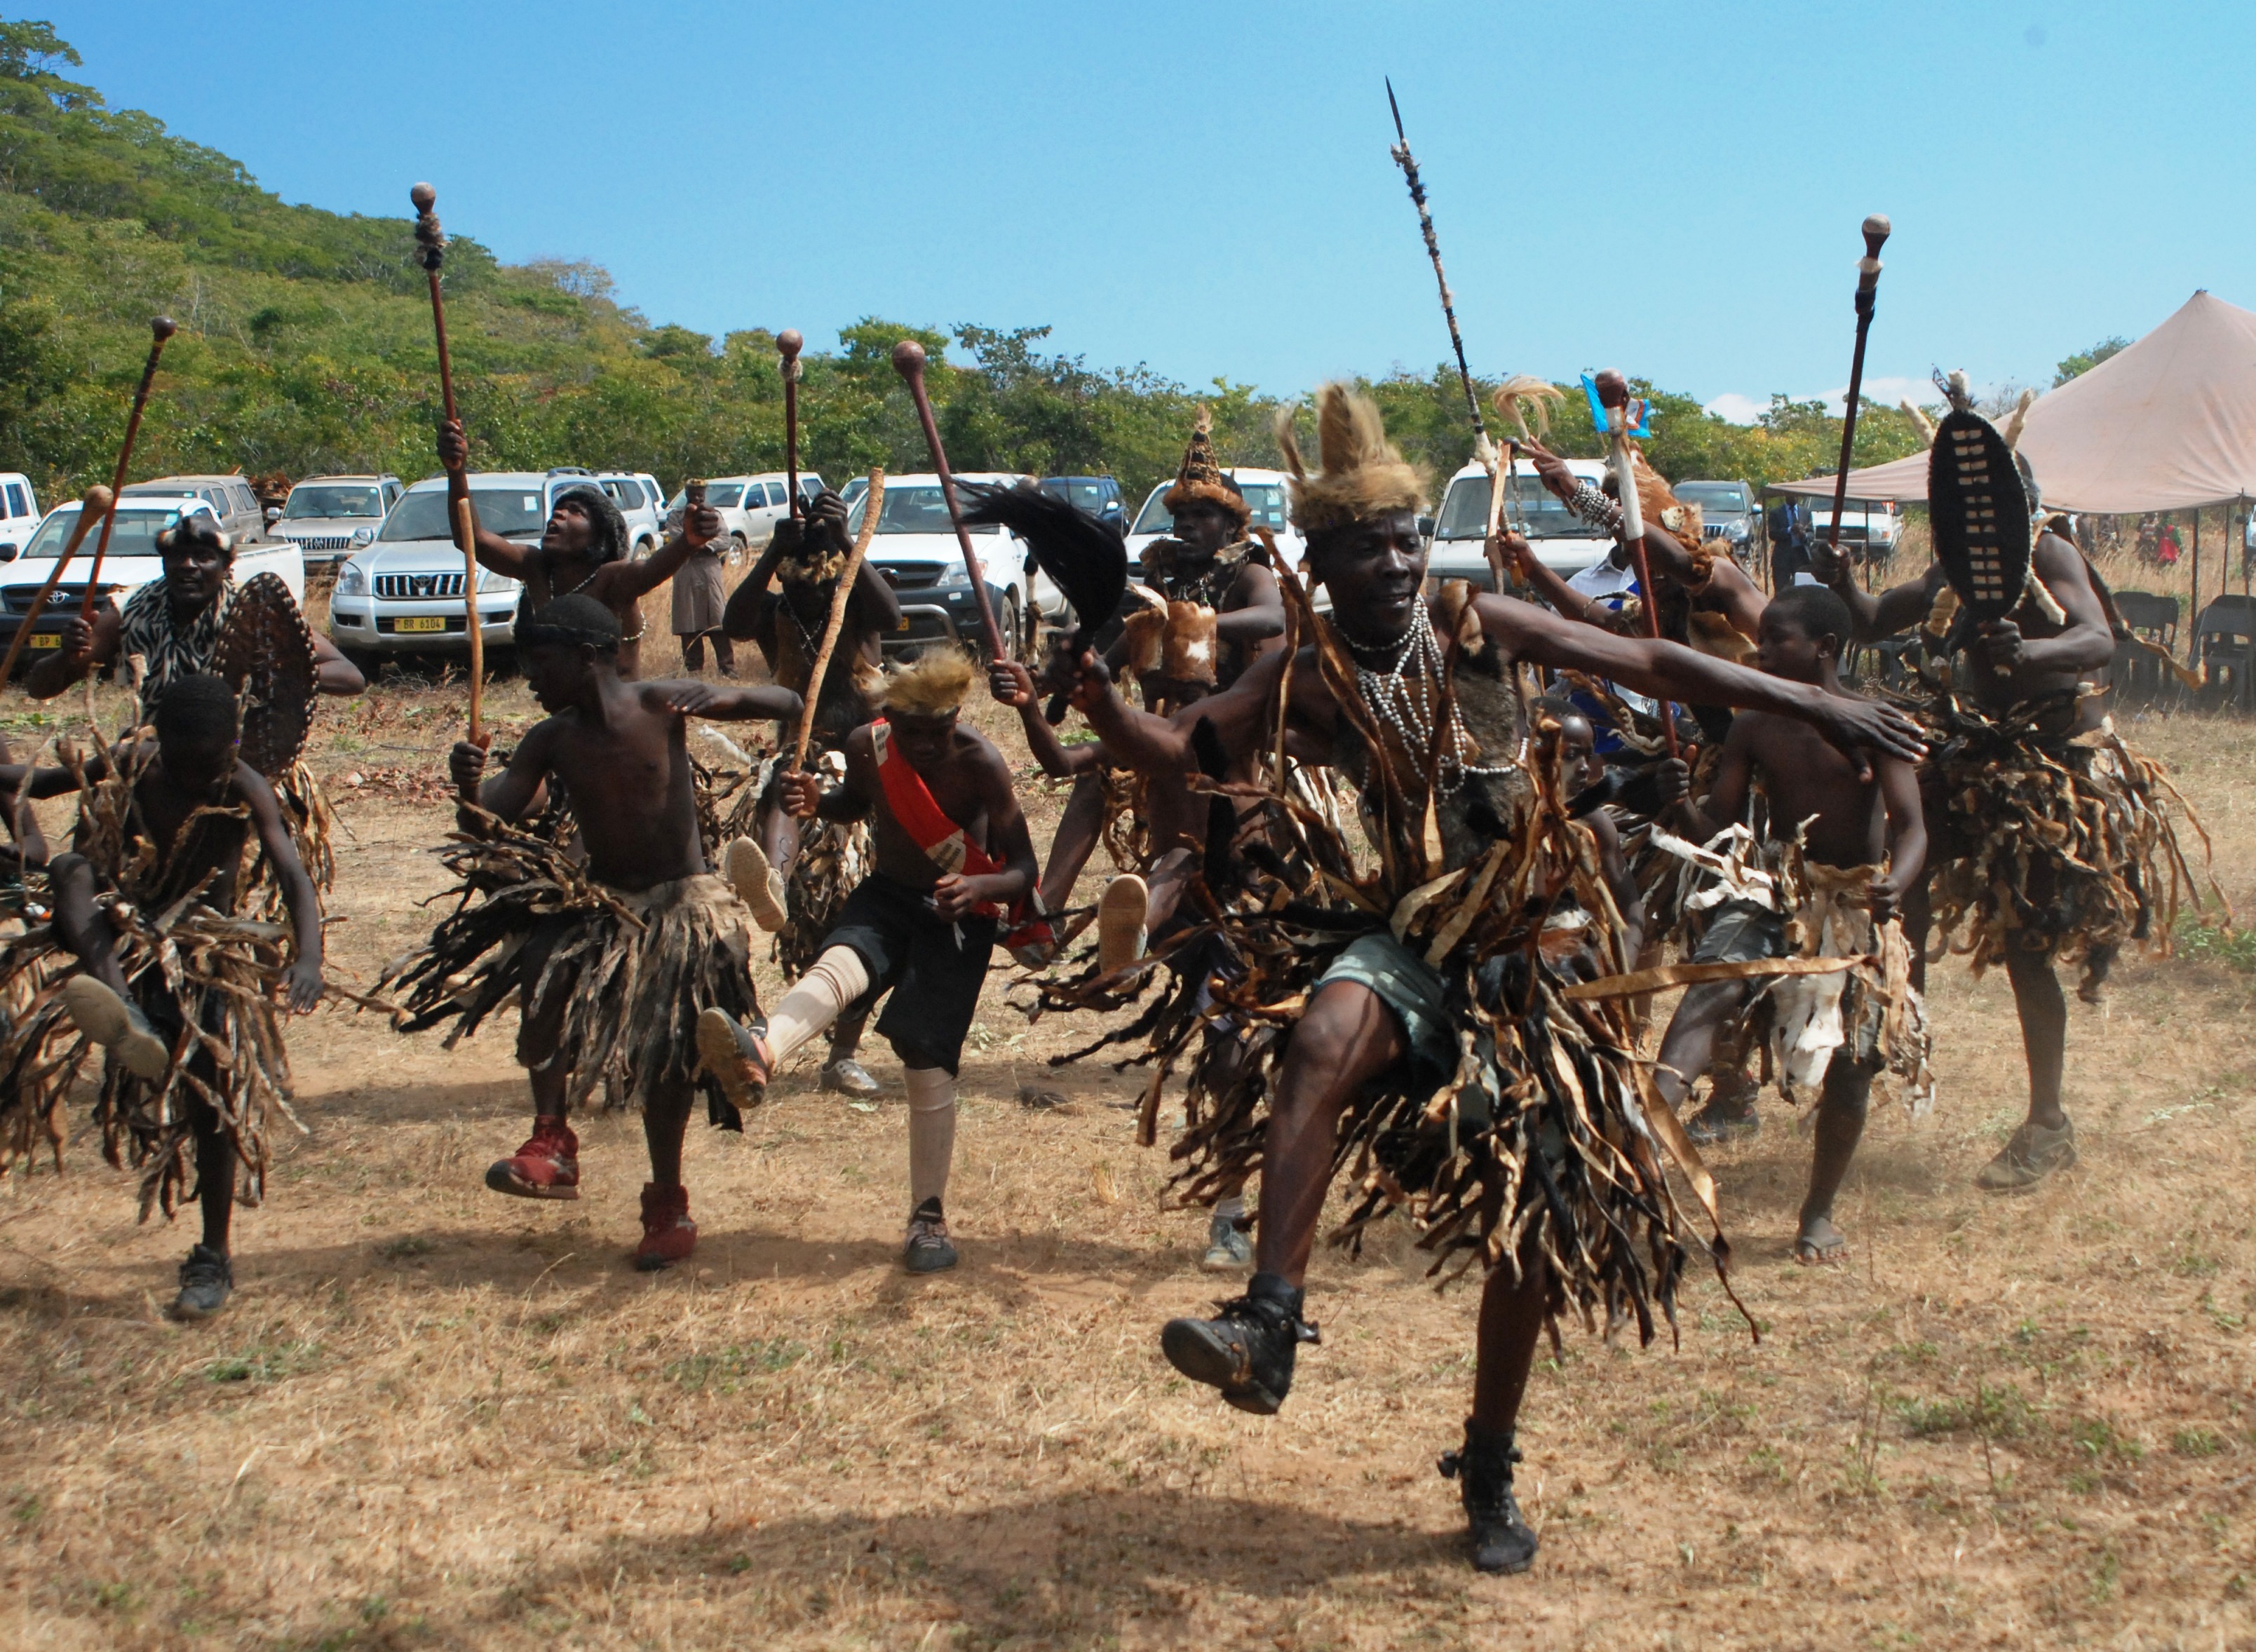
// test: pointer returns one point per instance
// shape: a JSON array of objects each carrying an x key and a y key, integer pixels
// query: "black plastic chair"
[
  {"x": 2154, "y": 618},
  {"x": 2224, "y": 642}
]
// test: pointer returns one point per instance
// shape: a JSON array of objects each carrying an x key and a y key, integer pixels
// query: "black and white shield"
[{"x": 1983, "y": 535}]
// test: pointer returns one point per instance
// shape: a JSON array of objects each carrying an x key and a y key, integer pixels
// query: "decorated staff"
[
  {"x": 430, "y": 250},
  {"x": 1086, "y": 555},
  {"x": 1868, "y": 282},
  {"x": 97, "y": 503},
  {"x": 1622, "y": 420},
  {"x": 872, "y": 501},
  {"x": 160, "y": 328},
  {"x": 908, "y": 361},
  {"x": 788, "y": 345}
]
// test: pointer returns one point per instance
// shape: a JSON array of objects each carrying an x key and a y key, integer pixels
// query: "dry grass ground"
[{"x": 433, "y": 1417}]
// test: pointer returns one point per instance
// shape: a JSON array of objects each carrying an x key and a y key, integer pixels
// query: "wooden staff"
[
  {"x": 908, "y": 361},
  {"x": 788, "y": 345},
  {"x": 160, "y": 328},
  {"x": 872, "y": 501},
  {"x": 430, "y": 250},
  {"x": 95, "y": 502},
  {"x": 1868, "y": 280},
  {"x": 1613, "y": 396}
]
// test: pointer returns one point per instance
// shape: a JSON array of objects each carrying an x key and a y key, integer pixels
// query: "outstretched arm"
[
  {"x": 724, "y": 704},
  {"x": 305, "y": 976},
  {"x": 1669, "y": 671},
  {"x": 1012, "y": 683},
  {"x": 504, "y": 557},
  {"x": 1240, "y": 714},
  {"x": 22, "y": 780},
  {"x": 1563, "y": 598},
  {"x": 84, "y": 648}
]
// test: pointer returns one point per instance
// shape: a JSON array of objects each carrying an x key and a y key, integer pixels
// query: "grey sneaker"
[
  {"x": 1228, "y": 1250},
  {"x": 928, "y": 1250},
  {"x": 849, "y": 1078},
  {"x": 757, "y": 883},
  {"x": 2033, "y": 1154},
  {"x": 206, "y": 1280},
  {"x": 117, "y": 1025}
]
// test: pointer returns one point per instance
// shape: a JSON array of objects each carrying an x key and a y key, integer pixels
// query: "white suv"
[
  {"x": 329, "y": 517},
  {"x": 404, "y": 591},
  {"x": 1562, "y": 542},
  {"x": 641, "y": 502},
  {"x": 1265, "y": 498},
  {"x": 916, "y": 550},
  {"x": 20, "y": 513},
  {"x": 750, "y": 506}
]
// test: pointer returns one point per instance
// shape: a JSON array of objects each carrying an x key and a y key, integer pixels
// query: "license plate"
[
  {"x": 45, "y": 639},
  {"x": 421, "y": 622}
]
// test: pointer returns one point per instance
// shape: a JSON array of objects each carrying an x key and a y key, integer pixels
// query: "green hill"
[{"x": 306, "y": 345}]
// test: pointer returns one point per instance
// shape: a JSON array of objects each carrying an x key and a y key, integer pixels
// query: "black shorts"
[{"x": 935, "y": 968}]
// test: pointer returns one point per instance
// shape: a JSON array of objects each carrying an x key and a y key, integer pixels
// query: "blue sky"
[{"x": 1671, "y": 189}]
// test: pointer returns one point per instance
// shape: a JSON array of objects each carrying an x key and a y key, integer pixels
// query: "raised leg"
[{"x": 1078, "y": 829}]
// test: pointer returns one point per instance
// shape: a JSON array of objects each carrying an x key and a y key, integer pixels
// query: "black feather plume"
[{"x": 1085, "y": 555}]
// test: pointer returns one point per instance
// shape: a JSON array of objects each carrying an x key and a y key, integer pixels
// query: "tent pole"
[{"x": 2194, "y": 615}]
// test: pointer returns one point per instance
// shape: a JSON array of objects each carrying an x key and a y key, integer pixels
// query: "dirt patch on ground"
[{"x": 436, "y": 1418}]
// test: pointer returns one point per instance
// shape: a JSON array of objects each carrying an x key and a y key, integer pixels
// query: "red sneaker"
[
  {"x": 547, "y": 1166},
  {"x": 669, "y": 1235}
]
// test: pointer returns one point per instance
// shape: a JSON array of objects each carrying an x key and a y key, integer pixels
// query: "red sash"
[{"x": 918, "y": 813}]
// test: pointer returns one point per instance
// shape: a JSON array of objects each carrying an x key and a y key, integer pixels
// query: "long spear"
[
  {"x": 1483, "y": 448},
  {"x": 1868, "y": 281},
  {"x": 430, "y": 248},
  {"x": 872, "y": 501},
  {"x": 160, "y": 328},
  {"x": 908, "y": 361},
  {"x": 788, "y": 345}
]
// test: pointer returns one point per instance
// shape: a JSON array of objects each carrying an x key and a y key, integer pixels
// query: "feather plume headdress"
[
  {"x": 1364, "y": 475},
  {"x": 1199, "y": 477},
  {"x": 1524, "y": 396},
  {"x": 932, "y": 685}
]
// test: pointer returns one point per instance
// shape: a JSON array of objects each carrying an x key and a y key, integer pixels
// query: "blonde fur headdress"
[
  {"x": 932, "y": 685},
  {"x": 1364, "y": 475},
  {"x": 1523, "y": 395},
  {"x": 1201, "y": 477}
]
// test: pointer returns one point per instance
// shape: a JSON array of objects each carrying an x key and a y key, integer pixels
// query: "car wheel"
[
  {"x": 1007, "y": 625},
  {"x": 739, "y": 547}
]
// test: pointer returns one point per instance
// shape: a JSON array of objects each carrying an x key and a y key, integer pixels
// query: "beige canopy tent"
[{"x": 2168, "y": 424}]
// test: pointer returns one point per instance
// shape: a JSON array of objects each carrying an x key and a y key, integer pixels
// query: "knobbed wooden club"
[
  {"x": 1876, "y": 228},
  {"x": 788, "y": 345},
  {"x": 908, "y": 361},
  {"x": 431, "y": 251},
  {"x": 873, "y": 502}
]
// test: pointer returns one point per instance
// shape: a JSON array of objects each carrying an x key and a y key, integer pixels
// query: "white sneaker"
[
  {"x": 758, "y": 884},
  {"x": 117, "y": 1025},
  {"x": 1120, "y": 914}
]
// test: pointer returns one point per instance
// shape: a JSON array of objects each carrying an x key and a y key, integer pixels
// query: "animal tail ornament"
[{"x": 1524, "y": 398}]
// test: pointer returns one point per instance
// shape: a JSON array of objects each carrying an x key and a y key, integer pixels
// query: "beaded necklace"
[{"x": 1403, "y": 696}]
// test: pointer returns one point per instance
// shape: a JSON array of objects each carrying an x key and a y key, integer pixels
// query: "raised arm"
[
  {"x": 1727, "y": 796},
  {"x": 1739, "y": 598},
  {"x": 805, "y": 797},
  {"x": 1896, "y": 609},
  {"x": 1563, "y": 598},
  {"x": 625, "y": 582},
  {"x": 305, "y": 976},
  {"x": 504, "y": 557},
  {"x": 1667, "y": 670},
  {"x": 2088, "y": 642}
]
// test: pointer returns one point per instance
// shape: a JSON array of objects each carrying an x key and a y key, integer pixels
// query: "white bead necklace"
[{"x": 1402, "y": 698}]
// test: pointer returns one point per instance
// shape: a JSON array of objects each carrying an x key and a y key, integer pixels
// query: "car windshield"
[
  {"x": 721, "y": 496},
  {"x": 912, "y": 510},
  {"x": 1713, "y": 496},
  {"x": 1528, "y": 506},
  {"x": 330, "y": 500},
  {"x": 512, "y": 511},
  {"x": 134, "y": 534},
  {"x": 1091, "y": 496},
  {"x": 1264, "y": 501}
]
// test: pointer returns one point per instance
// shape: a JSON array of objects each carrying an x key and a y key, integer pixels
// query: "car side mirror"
[
  {"x": 1425, "y": 527},
  {"x": 7, "y": 553}
]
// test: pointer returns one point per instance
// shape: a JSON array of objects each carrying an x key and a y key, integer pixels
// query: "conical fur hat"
[{"x": 1201, "y": 477}]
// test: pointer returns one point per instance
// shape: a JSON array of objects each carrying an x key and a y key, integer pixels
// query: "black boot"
[
  {"x": 1247, "y": 1349},
  {"x": 1501, "y": 1539},
  {"x": 206, "y": 1279}
]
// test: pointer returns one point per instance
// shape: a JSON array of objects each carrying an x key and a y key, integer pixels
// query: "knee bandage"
[{"x": 818, "y": 998}]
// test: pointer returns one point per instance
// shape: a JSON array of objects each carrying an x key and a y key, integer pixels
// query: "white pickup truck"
[
  {"x": 131, "y": 563},
  {"x": 1563, "y": 543}
]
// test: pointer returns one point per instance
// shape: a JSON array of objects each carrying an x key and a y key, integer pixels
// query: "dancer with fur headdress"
[
  {"x": 951, "y": 854},
  {"x": 145, "y": 954},
  {"x": 2051, "y": 839},
  {"x": 1412, "y": 1021},
  {"x": 797, "y": 876},
  {"x": 611, "y": 960}
]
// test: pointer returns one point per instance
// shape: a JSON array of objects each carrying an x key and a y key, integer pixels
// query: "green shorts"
[{"x": 1412, "y": 989}]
